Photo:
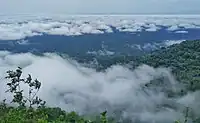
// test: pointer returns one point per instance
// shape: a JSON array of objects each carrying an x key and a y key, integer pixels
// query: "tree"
[{"x": 14, "y": 86}]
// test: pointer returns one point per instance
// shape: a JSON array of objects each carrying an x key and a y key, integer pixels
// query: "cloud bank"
[
  {"x": 71, "y": 86},
  {"x": 15, "y": 28}
]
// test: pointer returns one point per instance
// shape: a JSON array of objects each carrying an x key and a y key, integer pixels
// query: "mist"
[{"x": 119, "y": 90}]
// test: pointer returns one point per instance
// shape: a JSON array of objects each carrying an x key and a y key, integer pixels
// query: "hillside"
[{"x": 183, "y": 59}]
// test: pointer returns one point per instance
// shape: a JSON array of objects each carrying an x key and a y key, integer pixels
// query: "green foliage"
[
  {"x": 183, "y": 59},
  {"x": 103, "y": 117},
  {"x": 14, "y": 86},
  {"x": 44, "y": 115}
]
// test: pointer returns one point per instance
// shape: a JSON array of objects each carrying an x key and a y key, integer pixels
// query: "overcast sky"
[{"x": 100, "y": 6}]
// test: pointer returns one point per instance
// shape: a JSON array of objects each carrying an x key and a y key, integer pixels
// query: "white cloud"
[
  {"x": 19, "y": 28},
  {"x": 152, "y": 28},
  {"x": 155, "y": 46},
  {"x": 101, "y": 52},
  {"x": 171, "y": 42},
  {"x": 173, "y": 28},
  {"x": 181, "y": 32},
  {"x": 71, "y": 86},
  {"x": 23, "y": 42}
]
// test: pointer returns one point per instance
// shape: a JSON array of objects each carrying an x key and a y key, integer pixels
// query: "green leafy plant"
[
  {"x": 14, "y": 86},
  {"x": 103, "y": 117}
]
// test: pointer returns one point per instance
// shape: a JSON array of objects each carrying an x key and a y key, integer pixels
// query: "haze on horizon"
[{"x": 99, "y": 7}]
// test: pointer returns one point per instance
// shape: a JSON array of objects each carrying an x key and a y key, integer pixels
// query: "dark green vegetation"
[{"x": 183, "y": 59}]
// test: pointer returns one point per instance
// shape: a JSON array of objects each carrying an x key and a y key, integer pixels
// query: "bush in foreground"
[{"x": 32, "y": 109}]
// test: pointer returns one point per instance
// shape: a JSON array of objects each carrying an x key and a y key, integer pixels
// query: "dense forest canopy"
[{"x": 182, "y": 58}]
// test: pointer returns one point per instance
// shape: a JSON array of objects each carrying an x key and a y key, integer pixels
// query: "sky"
[{"x": 99, "y": 7}]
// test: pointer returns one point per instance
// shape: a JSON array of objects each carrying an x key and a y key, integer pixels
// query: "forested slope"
[{"x": 183, "y": 59}]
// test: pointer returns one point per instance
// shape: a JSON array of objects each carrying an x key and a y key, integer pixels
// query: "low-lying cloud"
[
  {"x": 71, "y": 86},
  {"x": 155, "y": 46},
  {"x": 15, "y": 28}
]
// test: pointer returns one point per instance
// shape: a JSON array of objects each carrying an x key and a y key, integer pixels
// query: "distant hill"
[{"x": 183, "y": 59}]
